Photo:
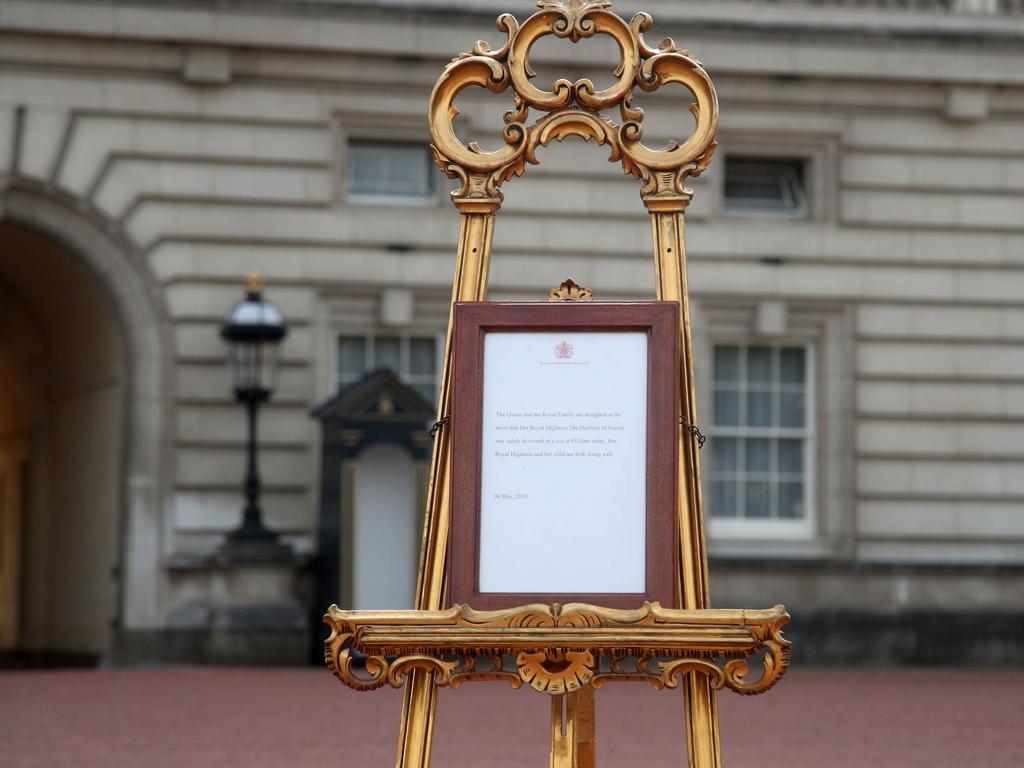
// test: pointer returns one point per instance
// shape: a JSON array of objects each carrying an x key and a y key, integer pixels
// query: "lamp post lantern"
[{"x": 254, "y": 330}]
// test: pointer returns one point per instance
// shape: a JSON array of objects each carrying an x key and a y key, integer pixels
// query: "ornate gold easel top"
[{"x": 573, "y": 108}]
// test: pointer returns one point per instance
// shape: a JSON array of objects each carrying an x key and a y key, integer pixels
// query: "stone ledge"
[
  {"x": 919, "y": 638},
  {"x": 286, "y": 647}
]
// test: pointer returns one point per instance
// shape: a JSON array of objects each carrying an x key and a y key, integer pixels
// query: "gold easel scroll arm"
[{"x": 558, "y": 648}]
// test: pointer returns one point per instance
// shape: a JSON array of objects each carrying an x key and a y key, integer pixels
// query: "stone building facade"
[{"x": 856, "y": 261}]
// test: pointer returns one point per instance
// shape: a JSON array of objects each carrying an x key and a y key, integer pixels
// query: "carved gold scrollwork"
[
  {"x": 573, "y": 108},
  {"x": 495, "y": 670},
  {"x": 574, "y": 22},
  {"x": 557, "y": 649},
  {"x": 453, "y": 157},
  {"x": 373, "y": 672},
  {"x": 775, "y": 663}
]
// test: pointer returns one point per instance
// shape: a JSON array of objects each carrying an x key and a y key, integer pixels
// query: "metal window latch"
[
  {"x": 437, "y": 426},
  {"x": 693, "y": 430}
]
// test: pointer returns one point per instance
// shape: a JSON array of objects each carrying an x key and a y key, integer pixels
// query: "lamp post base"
[
  {"x": 229, "y": 610},
  {"x": 255, "y": 544}
]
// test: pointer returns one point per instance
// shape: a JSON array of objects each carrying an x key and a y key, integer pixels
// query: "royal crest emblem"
[{"x": 563, "y": 350}]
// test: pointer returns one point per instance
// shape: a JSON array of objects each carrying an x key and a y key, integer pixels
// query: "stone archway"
[{"x": 83, "y": 433}]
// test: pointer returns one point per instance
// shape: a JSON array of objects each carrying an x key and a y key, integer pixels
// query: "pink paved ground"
[{"x": 158, "y": 718}]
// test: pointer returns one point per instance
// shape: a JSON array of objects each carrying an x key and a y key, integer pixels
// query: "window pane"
[
  {"x": 363, "y": 170},
  {"x": 723, "y": 498},
  {"x": 791, "y": 500},
  {"x": 759, "y": 468},
  {"x": 351, "y": 355},
  {"x": 727, "y": 408},
  {"x": 792, "y": 409},
  {"x": 422, "y": 357},
  {"x": 724, "y": 453},
  {"x": 387, "y": 353},
  {"x": 758, "y": 455},
  {"x": 404, "y": 171},
  {"x": 759, "y": 409},
  {"x": 427, "y": 391},
  {"x": 381, "y": 168},
  {"x": 752, "y": 192},
  {"x": 771, "y": 185},
  {"x": 792, "y": 363},
  {"x": 791, "y": 456},
  {"x": 759, "y": 365},
  {"x": 757, "y": 499},
  {"x": 727, "y": 363}
]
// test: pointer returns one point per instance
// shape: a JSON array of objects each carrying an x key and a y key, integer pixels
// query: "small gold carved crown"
[{"x": 570, "y": 290}]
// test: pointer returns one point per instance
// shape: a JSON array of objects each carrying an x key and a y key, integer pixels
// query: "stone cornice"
[{"x": 789, "y": 39}]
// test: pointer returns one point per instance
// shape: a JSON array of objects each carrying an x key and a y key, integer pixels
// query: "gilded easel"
[{"x": 558, "y": 649}]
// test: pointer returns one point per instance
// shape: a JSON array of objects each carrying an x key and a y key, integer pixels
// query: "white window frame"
[
  {"x": 389, "y": 199},
  {"x": 404, "y": 351},
  {"x": 818, "y": 150},
  {"x": 384, "y": 127},
  {"x": 800, "y": 189},
  {"x": 829, "y": 326},
  {"x": 774, "y": 528}
]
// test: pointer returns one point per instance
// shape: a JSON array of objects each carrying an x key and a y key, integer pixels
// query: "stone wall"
[{"x": 210, "y": 139}]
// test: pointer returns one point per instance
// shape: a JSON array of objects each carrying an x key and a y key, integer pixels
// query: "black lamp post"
[{"x": 254, "y": 330}]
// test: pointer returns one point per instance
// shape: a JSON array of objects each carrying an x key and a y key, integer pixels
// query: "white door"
[{"x": 384, "y": 532}]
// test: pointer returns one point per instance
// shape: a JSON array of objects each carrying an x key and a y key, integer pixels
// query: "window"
[
  {"x": 769, "y": 186},
  {"x": 412, "y": 358},
  {"x": 762, "y": 438},
  {"x": 390, "y": 169}
]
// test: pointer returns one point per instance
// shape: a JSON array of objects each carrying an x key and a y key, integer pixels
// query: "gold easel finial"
[
  {"x": 254, "y": 282},
  {"x": 570, "y": 290}
]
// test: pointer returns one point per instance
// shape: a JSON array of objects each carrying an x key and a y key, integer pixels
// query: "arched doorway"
[
  {"x": 62, "y": 414},
  {"x": 85, "y": 347}
]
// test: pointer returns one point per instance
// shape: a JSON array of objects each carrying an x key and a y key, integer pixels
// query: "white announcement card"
[{"x": 563, "y": 471}]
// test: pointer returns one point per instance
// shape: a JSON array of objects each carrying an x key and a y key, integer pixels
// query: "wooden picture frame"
[{"x": 571, "y": 550}]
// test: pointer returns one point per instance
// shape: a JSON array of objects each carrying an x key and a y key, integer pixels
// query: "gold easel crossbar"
[{"x": 557, "y": 648}]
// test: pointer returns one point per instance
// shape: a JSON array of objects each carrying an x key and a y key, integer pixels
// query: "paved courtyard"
[{"x": 197, "y": 717}]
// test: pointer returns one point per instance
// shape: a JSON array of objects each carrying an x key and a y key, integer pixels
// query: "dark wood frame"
[{"x": 660, "y": 321}]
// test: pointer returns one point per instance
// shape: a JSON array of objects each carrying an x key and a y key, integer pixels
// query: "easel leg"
[
  {"x": 701, "y": 715},
  {"x": 470, "y": 284},
  {"x": 573, "y": 743},
  {"x": 582, "y": 702},
  {"x": 417, "y": 731},
  {"x": 702, "y": 723},
  {"x": 561, "y": 734}
]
